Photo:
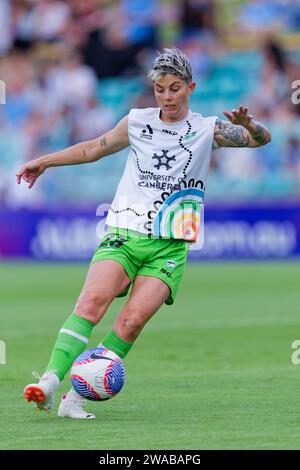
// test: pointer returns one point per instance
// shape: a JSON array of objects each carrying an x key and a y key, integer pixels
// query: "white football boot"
[
  {"x": 43, "y": 393},
  {"x": 71, "y": 406}
]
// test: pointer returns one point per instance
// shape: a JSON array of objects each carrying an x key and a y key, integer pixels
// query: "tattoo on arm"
[
  {"x": 231, "y": 136},
  {"x": 258, "y": 133},
  {"x": 103, "y": 142}
]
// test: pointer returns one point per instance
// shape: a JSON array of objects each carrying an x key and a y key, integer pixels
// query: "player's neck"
[{"x": 173, "y": 120}]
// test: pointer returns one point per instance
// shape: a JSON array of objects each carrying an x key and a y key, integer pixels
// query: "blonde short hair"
[{"x": 172, "y": 61}]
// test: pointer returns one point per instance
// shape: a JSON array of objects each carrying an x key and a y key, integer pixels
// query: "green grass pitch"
[{"x": 213, "y": 371}]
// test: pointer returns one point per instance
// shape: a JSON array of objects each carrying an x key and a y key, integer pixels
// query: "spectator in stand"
[
  {"x": 109, "y": 52},
  {"x": 86, "y": 17},
  {"x": 140, "y": 22},
  {"x": 198, "y": 15},
  {"x": 200, "y": 53},
  {"x": 73, "y": 82},
  {"x": 44, "y": 20},
  {"x": 17, "y": 73},
  {"x": 273, "y": 92}
]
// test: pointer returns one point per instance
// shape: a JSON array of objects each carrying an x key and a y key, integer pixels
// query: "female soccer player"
[{"x": 155, "y": 215}]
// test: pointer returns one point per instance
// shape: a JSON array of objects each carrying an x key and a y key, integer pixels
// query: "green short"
[{"x": 163, "y": 258}]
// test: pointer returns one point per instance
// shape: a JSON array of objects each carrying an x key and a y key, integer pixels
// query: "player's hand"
[
  {"x": 239, "y": 116},
  {"x": 30, "y": 172}
]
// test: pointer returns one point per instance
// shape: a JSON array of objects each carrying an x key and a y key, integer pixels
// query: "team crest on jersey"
[
  {"x": 163, "y": 160},
  {"x": 147, "y": 133}
]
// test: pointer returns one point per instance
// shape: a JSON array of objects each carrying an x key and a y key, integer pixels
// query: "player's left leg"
[
  {"x": 156, "y": 282},
  {"x": 147, "y": 295}
]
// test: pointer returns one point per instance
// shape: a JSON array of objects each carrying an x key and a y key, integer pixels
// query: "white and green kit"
[
  {"x": 158, "y": 206},
  {"x": 162, "y": 189},
  {"x": 156, "y": 213}
]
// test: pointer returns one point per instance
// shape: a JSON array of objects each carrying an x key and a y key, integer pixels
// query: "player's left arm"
[{"x": 242, "y": 130}]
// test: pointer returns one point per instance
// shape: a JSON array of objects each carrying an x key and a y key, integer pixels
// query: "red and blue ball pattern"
[{"x": 98, "y": 374}]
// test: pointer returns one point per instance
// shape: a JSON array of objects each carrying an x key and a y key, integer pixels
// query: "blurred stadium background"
[{"x": 71, "y": 70}]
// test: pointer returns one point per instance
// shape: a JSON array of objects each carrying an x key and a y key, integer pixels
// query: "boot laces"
[
  {"x": 38, "y": 377},
  {"x": 77, "y": 403}
]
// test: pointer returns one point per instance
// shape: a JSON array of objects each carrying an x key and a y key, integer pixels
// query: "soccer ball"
[{"x": 98, "y": 374}]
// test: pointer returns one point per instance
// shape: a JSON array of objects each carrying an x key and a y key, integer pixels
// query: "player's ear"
[{"x": 192, "y": 87}]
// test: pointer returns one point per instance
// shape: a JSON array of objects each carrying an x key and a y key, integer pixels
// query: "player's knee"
[
  {"x": 92, "y": 305},
  {"x": 130, "y": 324}
]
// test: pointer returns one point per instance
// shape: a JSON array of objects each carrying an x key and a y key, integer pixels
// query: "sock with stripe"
[
  {"x": 71, "y": 341},
  {"x": 116, "y": 344}
]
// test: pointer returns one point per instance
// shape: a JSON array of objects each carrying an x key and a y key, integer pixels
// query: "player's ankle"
[{"x": 51, "y": 376}]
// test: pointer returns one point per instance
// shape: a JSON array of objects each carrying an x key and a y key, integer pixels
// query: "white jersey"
[{"x": 161, "y": 192}]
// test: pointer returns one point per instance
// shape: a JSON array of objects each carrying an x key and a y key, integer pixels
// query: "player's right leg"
[{"x": 105, "y": 280}]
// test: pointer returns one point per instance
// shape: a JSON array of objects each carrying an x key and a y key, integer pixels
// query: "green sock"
[
  {"x": 71, "y": 341},
  {"x": 117, "y": 345}
]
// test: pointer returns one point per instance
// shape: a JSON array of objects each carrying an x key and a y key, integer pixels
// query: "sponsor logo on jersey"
[
  {"x": 166, "y": 131},
  {"x": 189, "y": 136},
  {"x": 147, "y": 133},
  {"x": 171, "y": 264}
]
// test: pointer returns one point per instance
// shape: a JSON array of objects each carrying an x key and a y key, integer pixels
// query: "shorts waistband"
[{"x": 133, "y": 233}]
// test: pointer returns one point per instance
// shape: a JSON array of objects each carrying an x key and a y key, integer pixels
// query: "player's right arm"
[{"x": 84, "y": 152}]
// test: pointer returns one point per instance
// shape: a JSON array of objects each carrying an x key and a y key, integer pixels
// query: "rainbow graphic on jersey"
[{"x": 180, "y": 215}]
